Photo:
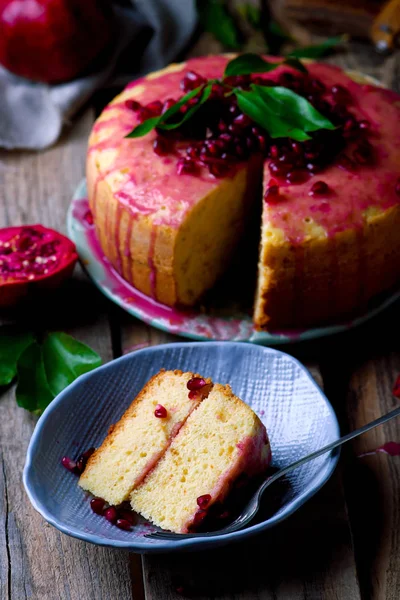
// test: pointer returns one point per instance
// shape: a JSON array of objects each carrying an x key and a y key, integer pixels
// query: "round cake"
[{"x": 171, "y": 207}]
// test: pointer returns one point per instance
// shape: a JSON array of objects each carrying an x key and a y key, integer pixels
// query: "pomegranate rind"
[{"x": 14, "y": 289}]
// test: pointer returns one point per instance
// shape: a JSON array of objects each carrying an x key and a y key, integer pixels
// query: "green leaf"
[
  {"x": 216, "y": 19},
  {"x": 318, "y": 50},
  {"x": 33, "y": 392},
  {"x": 145, "y": 127},
  {"x": 294, "y": 108},
  {"x": 246, "y": 64},
  {"x": 11, "y": 348},
  {"x": 205, "y": 94},
  {"x": 65, "y": 358},
  {"x": 281, "y": 112},
  {"x": 258, "y": 109}
]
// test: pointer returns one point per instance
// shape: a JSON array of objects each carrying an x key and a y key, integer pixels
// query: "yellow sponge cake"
[
  {"x": 222, "y": 439},
  {"x": 139, "y": 439}
]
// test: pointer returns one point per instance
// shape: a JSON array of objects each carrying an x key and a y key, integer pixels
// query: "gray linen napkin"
[{"x": 32, "y": 114}]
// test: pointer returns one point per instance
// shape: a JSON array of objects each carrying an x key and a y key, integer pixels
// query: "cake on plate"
[
  {"x": 171, "y": 206},
  {"x": 135, "y": 444},
  {"x": 220, "y": 441},
  {"x": 178, "y": 451}
]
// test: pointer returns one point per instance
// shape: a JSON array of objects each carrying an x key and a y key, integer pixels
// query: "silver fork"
[{"x": 252, "y": 507}]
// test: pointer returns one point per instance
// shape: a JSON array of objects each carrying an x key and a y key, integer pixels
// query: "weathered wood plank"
[
  {"x": 360, "y": 384},
  {"x": 36, "y": 560}
]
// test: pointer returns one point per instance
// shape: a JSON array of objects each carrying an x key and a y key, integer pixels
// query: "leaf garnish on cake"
[
  {"x": 247, "y": 64},
  {"x": 278, "y": 110}
]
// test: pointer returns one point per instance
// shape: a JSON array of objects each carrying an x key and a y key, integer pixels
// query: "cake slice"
[
  {"x": 222, "y": 439},
  {"x": 135, "y": 444}
]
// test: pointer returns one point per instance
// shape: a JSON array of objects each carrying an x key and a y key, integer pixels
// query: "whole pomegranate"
[
  {"x": 53, "y": 40},
  {"x": 33, "y": 259}
]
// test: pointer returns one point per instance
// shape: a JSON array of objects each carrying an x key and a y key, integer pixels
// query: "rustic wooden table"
[{"x": 344, "y": 544}]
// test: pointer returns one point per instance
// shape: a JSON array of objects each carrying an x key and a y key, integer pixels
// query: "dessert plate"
[
  {"x": 218, "y": 321},
  {"x": 298, "y": 417}
]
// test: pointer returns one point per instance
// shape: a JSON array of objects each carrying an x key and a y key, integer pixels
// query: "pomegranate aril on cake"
[{"x": 189, "y": 144}]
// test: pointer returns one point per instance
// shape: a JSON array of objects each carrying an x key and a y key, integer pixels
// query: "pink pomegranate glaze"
[
  {"x": 152, "y": 186},
  {"x": 253, "y": 458}
]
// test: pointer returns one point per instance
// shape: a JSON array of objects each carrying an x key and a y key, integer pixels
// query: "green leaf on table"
[
  {"x": 281, "y": 112},
  {"x": 11, "y": 348},
  {"x": 65, "y": 358},
  {"x": 318, "y": 50},
  {"x": 33, "y": 392},
  {"x": 216, "y": 19},
  {"x": 145, "y": 127},
  {"x": 248, "y": 63}
]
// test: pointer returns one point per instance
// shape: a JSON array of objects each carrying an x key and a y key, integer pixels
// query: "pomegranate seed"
[
  {"x": 271, "y": 193},
  {"x": 127, "y": 515},
  {"x": 155, "y": 108},
  {"x": 144, "y": 114},
  {"x": 160, "y": 411},
  {"x": 319, "y": 188},
  {"x": 363, "y": 154},
  {"x": 191, "y": 81},
  {"x": 222, "y": 126},
  {"x": 123, "y": 524},
  {"x": 213, "y": 147},
  {"x": 193, "y": 152},
  {"x": 185, "y": 166},
  {"x": 80, "y": 465},
  {"x": 340, "y": 94},
  {"x": 196, "y": 383},
  {"x": 97, "y": 505},
  {"x": 133, "y": 105},
  {"x": 313, "y": 168},
  {"x": 217, "y": 91},
  {"x": 345, "y": 163},
  {"x": 262, "y": 142},
  {"x": 397, "y": 188},
  {"x": 194, "y": 395},
  {"x": 297, "y": 148},
  {"x": 219, "y": 169},
  {"x": 111, "y": 514},
  {"x": 297, "y": 176},
  {"x": 279, "y": 169},
  {"x": 203, "y": 501},
  {"x": 86, "y": 455},
  {"x": 161, "y": 146},
  {"x": 364, "y": 124},
  {"x": 199, "y": 517},
  {"x": 274, "y": 151},
  {"x": 242, "y": 120},
  {"x": 396, "y": 387},
  {"x": 169, "y": 103},
  {"x": 350, "y": 124},
  {"x": 68, "y": 463},
  {"x": 317, "y": 86}
]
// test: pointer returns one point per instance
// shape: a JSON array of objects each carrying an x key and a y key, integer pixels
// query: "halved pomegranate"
[{"x": 32, "y": 258}]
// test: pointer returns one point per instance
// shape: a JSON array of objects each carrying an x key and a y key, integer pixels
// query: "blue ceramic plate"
[
  {"x": 220, "y": 319},
  {"x": 298, "y": 417}
]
